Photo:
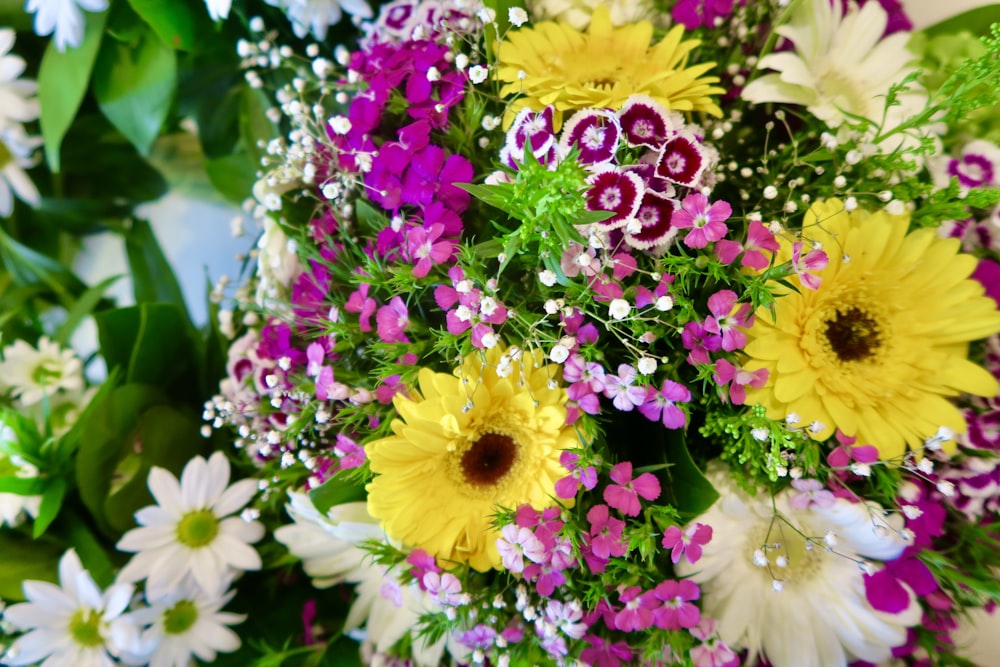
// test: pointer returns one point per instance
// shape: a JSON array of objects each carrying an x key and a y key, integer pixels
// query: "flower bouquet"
[{"x": 577, "y": 333}]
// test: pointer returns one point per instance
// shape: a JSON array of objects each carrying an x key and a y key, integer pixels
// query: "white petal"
[
  {"x": 194, "y": 484},
  {"x": 237, "y": 554},
  {"x": 167, "y": 492},
  {"x": 235, "y": 497}
]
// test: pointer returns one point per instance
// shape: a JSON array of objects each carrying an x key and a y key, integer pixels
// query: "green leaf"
[
  {"x": 22, "y": 486},
  {"x": 175, "y": 21},
  {"x": 692, "y": 493},
  {"x": 254, "y": 123},
  {"x": 335, "y": 491},
  {"x": 92, "y": 555},
  {"x": 52, "y": 499},
  {"x": 62, "y": 83},
  {"x": 134, "y": 85},
  {"x": 232, "y": 175},
  {"x": 22, "y": 559},
  {"x": 27, "y": 267},
  {"x": 165, "y": 437},
  {"x": 151, "y": 342},
  {"x": 152, "y": 277},
  {"x": 81, "y": 309},
  {"x": 107, "y": 437},
  {"x": 977, "y": 21}
]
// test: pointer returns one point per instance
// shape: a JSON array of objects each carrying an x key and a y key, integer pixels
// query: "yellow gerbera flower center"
[
  {"x": 488, "y": 460},
  {"x": 853, "y": 334}
]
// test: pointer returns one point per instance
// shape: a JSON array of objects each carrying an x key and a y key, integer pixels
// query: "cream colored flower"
[
  {"x": 17, "y": 151},
  {"x": 17, "y": 96},
  {"x": 841, "y": 65},
  {"x": 775, "y": 588},
  {"x": 32, "y": 373},
  {"x": 328, "y": 546}
]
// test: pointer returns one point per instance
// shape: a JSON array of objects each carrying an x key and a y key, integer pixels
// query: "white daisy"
[
  {"x": 385, "y": 610},
  {"x": 17, "y": 96},
  {"x": 190, "y": 530},
  {"x": 17, "y": 151},
  {"x": 277, "y": 263},
  {"x": 185, "y": 623},
  {"x": 219, "y": 9},
  {"x": 791, "y": 599},
  {"x": 31, "y": 373},
  {"x": 64, "y": 18},
  {"x": 70, "y": 624},
  {"x": 841, "y": 63},
  {"x": 318, "y": 15}
]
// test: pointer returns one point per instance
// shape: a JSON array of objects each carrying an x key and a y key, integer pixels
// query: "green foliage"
[
  {"x": 134, "y": 84},
  {"x": 21, "y": 559},
  {"x": 179, "y": 23},
  {"x": 128, "y": 431},
  {"x": 62, "y": 83}
]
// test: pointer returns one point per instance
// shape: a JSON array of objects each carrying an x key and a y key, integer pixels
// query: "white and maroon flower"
[
  {"x": 682, "y": 160},
  {"x": 619, "y": 192},
  {"x": 653, "y": 220},
  {"x": 645, "y": 122},
  {"x": 534, "y": 128},
  {"x": 594, "y": 133},
  {"x": 978, "y": 166}
]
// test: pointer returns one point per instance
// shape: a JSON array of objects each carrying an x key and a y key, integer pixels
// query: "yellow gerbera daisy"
[
  {"x": 601, "y": 68},
  {"x": 876, "y": 350},
  {"x": 465, "y": 444}
]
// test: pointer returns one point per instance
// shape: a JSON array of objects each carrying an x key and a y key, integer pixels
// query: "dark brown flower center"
[
  {"x": 489, "y": 459},
  {"x": 853, "y": 334}
]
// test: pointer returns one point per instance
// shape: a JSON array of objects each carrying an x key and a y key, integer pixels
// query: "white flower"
[
  {"x": 70, "y": 624},
  {"x": 841, "y": 63},
  {"x": 17, "y": 96},
  {"x": 16, "y": 154},
  {"x": 185, "y": 623},
  {"x": 64, "y": 18},
  {"x": 318, "y": 15},
  {"x": 190, "y": 530},
  {"x": 385, "y": 610},
  {"x": 219, "y": 9},
  {"x": 31, "y": 373},
  {"x": 821, "y": 617},
  {"x": 277, "y": 262}
]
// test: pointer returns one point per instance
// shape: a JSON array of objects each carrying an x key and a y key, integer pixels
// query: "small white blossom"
[
  {"x": 646, "y": 365},
  {"x": 619, "y": 309},
  {"x": 478, "y": 74}
]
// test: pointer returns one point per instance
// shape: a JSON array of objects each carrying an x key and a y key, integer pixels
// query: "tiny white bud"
[
  {"x": 478, "y": 74},
  {"x": 770, "y": 192},
  {"x": 646, "y": 365},
  {"x": 517, "y": 16},
  {"x": 619, "y": 309},
  {"x": 547, "y": 277}
]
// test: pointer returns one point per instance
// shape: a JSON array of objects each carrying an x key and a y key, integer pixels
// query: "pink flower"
[
  {"x": 605, "y": 536},
  {"x": 727, "y": 318},
  {"x": 392, "y": 320},
  {"x": 422, "y": 563},
  {"x": 637, "y": 614},
  {"x": 568, "y": 486},
  {"x": 359, "y": 302},
  {"x": 707, "y": 223},
  {"x": 677, "y": 610},
  {"x": 712, "y": 652},
  {"x": 814, "y": 260},
  {"x": 621, "y": 391},
  {"x": 811, "y": 493},
  {"x": 426, "y": 250},
  {"x": 624, "y": 494},
  {"x": 726, "y": 372},
  {"x": 699, "y": 343},
  {"x": 445, "y": 589},
  {"x": 660, "y": 404},
  {"x": 517, "y": 543},
  {"x": 687, "y": 543},
  {"x": 759, "y": 240},
  {"x": 603, "y": 654}
]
